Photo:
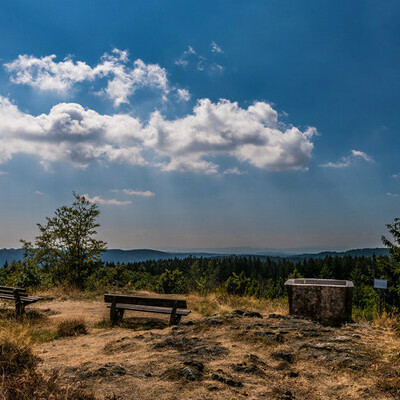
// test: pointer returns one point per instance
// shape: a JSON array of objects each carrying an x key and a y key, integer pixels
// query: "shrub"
[
  {"x": 15, "y": 352},
  {"x": 172, "y": 282},
  {"x": 71, "y": 327}
]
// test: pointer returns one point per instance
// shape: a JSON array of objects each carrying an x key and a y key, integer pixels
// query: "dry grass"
[
  {"x": 96, "y": 358},
  {"x": 15, "y": 350},
  {"x": 71, "y": 327},
  {"x": 223, "y": 304}
]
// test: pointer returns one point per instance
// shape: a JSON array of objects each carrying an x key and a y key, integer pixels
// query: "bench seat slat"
[
  {"x": 10, "y": 288},
  {"x": 24, "y": 299},
  {"x": 145, "y": 301},
  {"x": 151, "y": 309}
]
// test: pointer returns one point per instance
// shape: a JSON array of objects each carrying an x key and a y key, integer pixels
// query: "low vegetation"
[{"x": 71, "y": 327}]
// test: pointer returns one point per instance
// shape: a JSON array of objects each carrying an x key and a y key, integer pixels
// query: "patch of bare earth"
[{"x": 231, "y": 356}]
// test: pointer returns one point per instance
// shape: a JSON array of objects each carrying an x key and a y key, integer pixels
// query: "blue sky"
[{"x": 265, "y": 124}]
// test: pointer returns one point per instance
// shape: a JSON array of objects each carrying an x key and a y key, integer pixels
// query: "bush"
[
  {"x": 172, "y": 282},
  {"x": 71, "y": 327},
  {"x": 241, "y": 285}
]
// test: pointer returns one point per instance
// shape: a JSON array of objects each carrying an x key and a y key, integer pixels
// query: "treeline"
[{"x": 243, "y": 276}]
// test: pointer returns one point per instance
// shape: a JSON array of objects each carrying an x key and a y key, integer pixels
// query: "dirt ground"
[{"x": 231, "y": 356}]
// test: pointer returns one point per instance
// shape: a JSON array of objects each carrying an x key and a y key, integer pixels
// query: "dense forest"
[{"x": 243, "y": 276}]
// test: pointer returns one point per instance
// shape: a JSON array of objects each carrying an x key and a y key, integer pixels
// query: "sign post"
[{"x": 381, "y": 285}]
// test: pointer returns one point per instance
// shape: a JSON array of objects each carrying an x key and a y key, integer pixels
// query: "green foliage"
[
  {"x": 172, "y": 282},
  {"x": 241, "y": 285},
  {"x": 66, "y": 248}
]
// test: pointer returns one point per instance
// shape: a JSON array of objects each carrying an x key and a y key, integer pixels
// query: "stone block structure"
[{"x": 327, "y": 301}]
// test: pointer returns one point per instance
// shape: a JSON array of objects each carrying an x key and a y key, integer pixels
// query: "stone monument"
[{"x": 327, "y": 301}]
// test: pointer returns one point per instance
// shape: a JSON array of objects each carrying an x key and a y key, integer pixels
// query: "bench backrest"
[
  {"x": 10, "y": 290},
  {"x": 145, "y": 301}
]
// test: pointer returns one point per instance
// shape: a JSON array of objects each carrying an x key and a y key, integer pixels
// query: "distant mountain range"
[{"x": 125, "y": 256}]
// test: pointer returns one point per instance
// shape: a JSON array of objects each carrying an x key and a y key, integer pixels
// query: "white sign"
[{"x": 380, "y": 283}]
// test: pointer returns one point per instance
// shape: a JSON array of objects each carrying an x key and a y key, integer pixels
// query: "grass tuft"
[
  {"x": 71, "y": 327},
  {"x": 15, "y": 351}
]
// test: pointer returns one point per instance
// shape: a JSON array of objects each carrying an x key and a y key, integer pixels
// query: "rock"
[
  {"x": 275, "y": 316},
  {"x": 189, "y": 373},
  {"x": 252, "y": 314},
  {"x": 283, "y": 355},
  {"x": 192, "y": 348},
  {"x": 214, "y": 320},
  {"x": 255, "y": 359},
  {"x": 187, "y": 323},
  {"x": 293, "y": 374},
  {"x": 107, "y": 370},
  {"x": 237, "y": 313},
  {"x": 248, "y": 368},
  {"x": 199, "y": 366},
  {"x": 228, "y": 381}
]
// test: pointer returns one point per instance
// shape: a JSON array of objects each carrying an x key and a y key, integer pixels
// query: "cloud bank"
[{"x": 72, "y": 133}]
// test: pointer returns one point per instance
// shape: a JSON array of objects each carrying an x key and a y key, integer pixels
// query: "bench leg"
[
  {"x": 116, "y": 314},
  {"x": 19, "y": 305},
  {"x": 120, "y": 314},
  {"x": 175, "y": 319},
  {"x": 113, "y": 312}
]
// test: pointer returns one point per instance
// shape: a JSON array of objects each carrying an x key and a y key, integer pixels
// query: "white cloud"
[
  {"x": 3, "y": 173},
  {"x": 233, "y": 171},
  {"x": 107, "y": 202},
  {"x": 249, "y": 135},
  {"x": 396, "y": 175},
  {"x": 393, "y": 194},
  {"x": 361, "y": 154},
  {"x": 215, "y": 48},
  {"x": 347, "y": 161},
  {"x": 183, "y": 94},
  {"x": 81, "y": 136},
  {"x": 39, "y": 193},
  {"x": 132, "y": 192},
  {"x": 192, "y": 58},
  {"x": 123, "y": 78}
]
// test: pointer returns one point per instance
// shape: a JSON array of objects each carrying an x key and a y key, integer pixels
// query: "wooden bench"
[
  {"x": 119, "y": 303},
  {"x": 19, "y": 296}
]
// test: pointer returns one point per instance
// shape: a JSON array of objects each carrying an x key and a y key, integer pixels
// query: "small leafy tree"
[{"x": 66, "y": 247}]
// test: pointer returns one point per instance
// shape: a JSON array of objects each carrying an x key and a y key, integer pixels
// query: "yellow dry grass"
[{"x": 96, "y": 357}]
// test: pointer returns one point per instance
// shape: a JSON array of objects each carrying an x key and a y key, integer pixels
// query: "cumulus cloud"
[
  {"x": 392, "y": 194},
  {"x": 345, "y": 162},
  {"x": 106, "y": 202},
  {"x": 396, "y": 175},
  {"x": 81, "y": 136},
  {"x": 123, "y": 77}
]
